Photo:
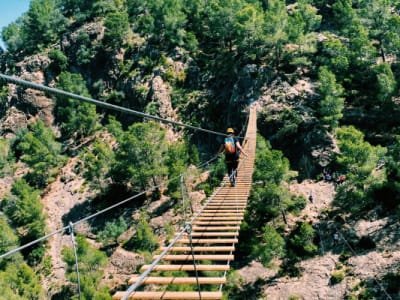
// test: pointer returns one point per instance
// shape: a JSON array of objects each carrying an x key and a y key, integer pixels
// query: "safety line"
[
  {"x": 355, "y": 254},
  {"x": 139, "y": 281},
  {"x": 71, "y": 225},
  {"x": 194, "y": 261},
  {"x": 59, "y": 92}
]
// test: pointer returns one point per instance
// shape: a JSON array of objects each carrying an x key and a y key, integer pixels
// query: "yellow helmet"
[{"x": 230, "y": 130}]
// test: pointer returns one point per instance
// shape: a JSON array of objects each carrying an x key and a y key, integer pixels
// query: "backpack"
[{"x": 229, "y": 144}]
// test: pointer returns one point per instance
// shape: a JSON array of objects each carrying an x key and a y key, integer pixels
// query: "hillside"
[{"x": 324, "y": 76}]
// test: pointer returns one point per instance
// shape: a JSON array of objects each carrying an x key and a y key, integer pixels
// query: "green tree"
[
  {"x": 276, "y": 22},
  {"x": 301, "y": 240},
  {"x": 221, "y": 15},
  {"x": 12, "y": 36},
  {"x": 111, "y": 232},
  {"x": 361, "y": 51},
  {"x": 8, "y": 239},
  {"x": 344, "y": 14},
  {"x": 91, "y": 261},
  {"x": 141, "y": 155},
  {"x": 331, "y": 105},
  {"x": 41, "y": 153},
  {"x": 303, "y": 19},
  {"x": 271, "y": 165},
  {"x": 249, "y": 31},
  {"x": 356, "y": 156},
  {"x": 19, "y": 282},
  {"x": 170, "y": 21},
  {"x": 78, "y": 119},
  {"x": 383, "y": 25},
  {"x": 272, "y": 246},
  {"x": 97, "y": 163},
  {"x": 116, "y": 29},
  {"x": 41, "y": 25},
  {"x": 24, "y": 208},
  {"x": 59, "y": 62},
  {"x": 386, "y": 84},
  {"x": 80, "y": 10},
  {"x": 334, "y": 55},
  {"x": 269, "y": 196},
  {"x": 393, "y": 163},
  {"x": 144, "y": 238},
  {"x": 177, "y": 162}
]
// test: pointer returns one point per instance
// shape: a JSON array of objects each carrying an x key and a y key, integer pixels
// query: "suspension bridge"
[
  {"x": 204, "y": 246},
  {"x": 203, "y": 249}
]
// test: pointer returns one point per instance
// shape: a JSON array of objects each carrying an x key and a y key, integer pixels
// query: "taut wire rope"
[
  {"x": 139, "y": 281},
  {"x": 71, "y": 228},
  {"x": 99, "y": 103},
  {"x": 189, "y": 231},
  {"x": 355, "y": 254}
]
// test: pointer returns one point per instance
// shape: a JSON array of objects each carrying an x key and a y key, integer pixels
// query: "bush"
[
  {"x": 144, "y": 238},
  {"x": 301, "y": 240},
  {"x": 336, "y": 277},
  {"x": 112, "y": 231},
  {"x": 42, "y": 153},
  {"x": 59, "y": 62},
  {"x": 271, "y": 246}
]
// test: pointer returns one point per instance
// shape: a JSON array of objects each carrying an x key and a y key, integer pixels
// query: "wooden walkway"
[{"x": 210, "y": 243}]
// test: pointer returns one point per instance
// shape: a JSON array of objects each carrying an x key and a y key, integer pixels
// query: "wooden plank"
[
  {"x": 189, "y": 257},
  {"x": 217, "y": 222},
  {"x": 233, "y": 212},
  {"x": 201, "y": 249},
  {"x": 179, "y": 280},
  {"x": 223, "y": 210},
  {"x": 208, "y": 241},
  {"x": 190, "y": 267},
  {"x": 219, "y": 218},
  {"x": 215, "y": 228},
  {"x": 214, "y": 234},
  {"x": 171, "y": 295}
]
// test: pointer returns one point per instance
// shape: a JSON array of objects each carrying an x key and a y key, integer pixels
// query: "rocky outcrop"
[
  {"x": 24, "y": 105},
  {"x": 291, "y": 124},
  {"x": 160, "y": 93},
  {"x": 122, "y": 265}
]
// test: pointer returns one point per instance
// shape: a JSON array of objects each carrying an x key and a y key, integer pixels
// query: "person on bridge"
[{"x": 232, "y": 149}]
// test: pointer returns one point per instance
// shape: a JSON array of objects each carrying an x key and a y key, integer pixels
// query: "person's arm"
[{"x": 241, "y": 149}]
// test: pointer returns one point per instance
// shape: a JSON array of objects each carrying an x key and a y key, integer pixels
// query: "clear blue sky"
[{"x": 10, "y": 10}]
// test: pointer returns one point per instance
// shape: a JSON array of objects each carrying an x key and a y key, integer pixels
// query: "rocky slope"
[{"x": 316, "y": 279}]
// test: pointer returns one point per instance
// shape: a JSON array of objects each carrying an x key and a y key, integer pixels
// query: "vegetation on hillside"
[{"x": 213, "y": 58}]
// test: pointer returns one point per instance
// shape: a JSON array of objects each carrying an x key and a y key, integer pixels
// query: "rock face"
[
  {"x": 122, "y": 265},
  {"x": 292, "y": 127},
  {"x": 315, "y": 281},
  {"x": 161, "y": 94},
  {"x": 24, "y": 105}
]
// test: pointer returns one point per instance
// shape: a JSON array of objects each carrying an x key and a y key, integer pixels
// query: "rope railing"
[{"x": 139, "y": 281}]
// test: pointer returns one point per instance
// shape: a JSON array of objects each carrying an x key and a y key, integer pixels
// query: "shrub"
[
  {"x": 336, "y": 277},
  {"x": 112, "y": 231},
  {"x": 59, "y": 62},
  {"x": 144, "y": 238}
]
